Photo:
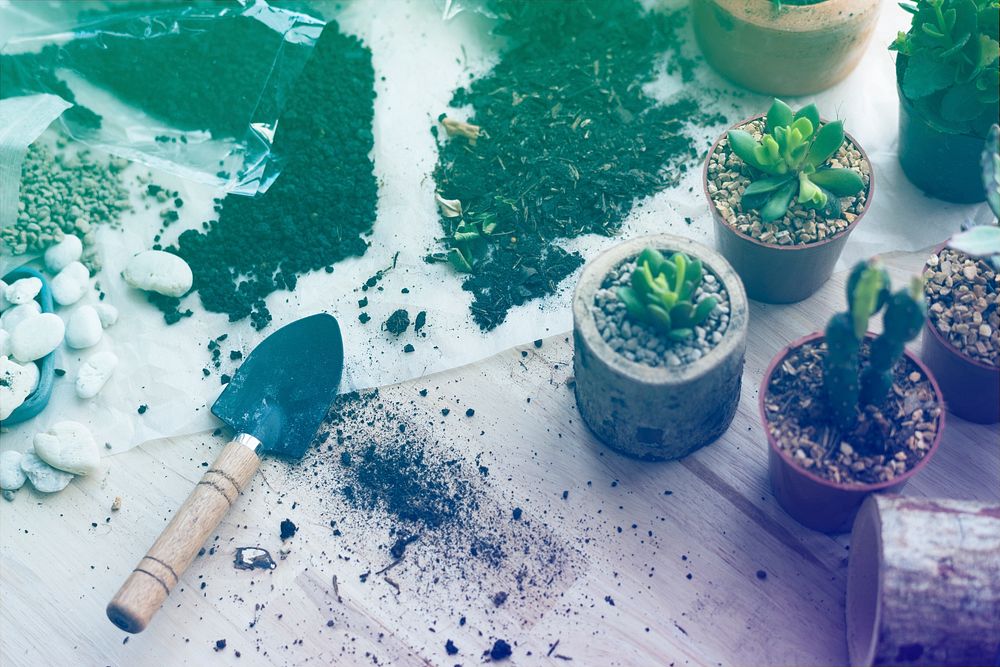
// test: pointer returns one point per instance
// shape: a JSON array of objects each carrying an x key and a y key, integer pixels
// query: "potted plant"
[
  {"x": 961, "y": 342},
  {"x": 659, "y": 330},
  {"x": 947, "y": 79},
  {"x": 784, "y": 47},
  {"x": 846, "y": 412},
  {"x": 786, "y": 190}
]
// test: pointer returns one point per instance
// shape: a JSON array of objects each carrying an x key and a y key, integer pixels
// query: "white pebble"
[
  {"x": 161, "y": 272},
  {"x": 107, "y": 313},
  {"x": 4, "y": 343},
  {"x": 95, "y": 373},
  {"x": 64, "y": 253},
  {"x": 36, "y": 336},
  {"x": 68, "y": 446},
  {"x": 12, "y": 477},
  {"x": 22, "y": 291},
  {"x": 42, "y": 476},
  {"x": 11, "y": 318},
  {"x": 4, "y": 305},
  {"x": 70, "y": 284},
  {"x": 84, "y": 328},
  {"x": 16, "y": 384}
]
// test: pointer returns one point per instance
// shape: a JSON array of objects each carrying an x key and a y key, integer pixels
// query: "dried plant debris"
[
  {"x": 729, "y": 176},
  {"x": 253, "y": 558},
  {"x": 887, "y": 440},
  {"x": 562, "y": 141},
  {"x": 321, "y": 207},
  {"x": 963, "y": 294}
]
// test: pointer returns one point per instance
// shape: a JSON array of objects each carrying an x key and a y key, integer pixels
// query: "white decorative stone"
[
  {"x": 161, "y": 272},
  {"x": 4, "y": 305},
  {"x": 64, "y": 253},
  {"x": 68, "y": 446},
  {"x": 4, "y": 343},
  {"x": 36, "y": 336},
  {"x": 22, "y": 291},
  {"x": 42, "y": 476},
  {"x": 16, "y": 384},
  {"x": 70, "y": 284},
  {"x": 107, "y": 313},
  {"x": 14, "y": 316},
  {"x": 12, "y": 477},
  {"x": 95, "y": 373},
  {"x": 84, "y": 329}
]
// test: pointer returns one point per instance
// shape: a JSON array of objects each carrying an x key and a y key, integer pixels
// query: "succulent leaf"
[
  {"x": 779, "y": 115},
  {"x": 840, "y": 182},
  {"x": 828, "y": 140},
  {"x": 777, "y": 204},
  {"x": 765, "y": 185},
  {"x": 809, "y": 112},
  {"x": 810, "y": 195},
  {"x": 744, "y": 145}
]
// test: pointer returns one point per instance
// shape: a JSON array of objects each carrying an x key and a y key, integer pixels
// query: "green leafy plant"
[
  {"x": 467, "y": 237},
  {"x": 661, "y": 290},
  {"x": 950, "y": 73},
  {"x": 790, "y": 162},
  {"x": 850, "y": 385}
]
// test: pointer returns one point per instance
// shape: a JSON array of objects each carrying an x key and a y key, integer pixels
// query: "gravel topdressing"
[
  {"x": 963, "y": 296},
  {"x": 729, "y": 176},
  {"x": 643, "y": 344}
]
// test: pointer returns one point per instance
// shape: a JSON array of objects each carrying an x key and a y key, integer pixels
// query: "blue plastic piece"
[{"x": 39, "y": 398}]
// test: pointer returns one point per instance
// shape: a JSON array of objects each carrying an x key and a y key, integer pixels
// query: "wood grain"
[{"x": 61, "y": 557}]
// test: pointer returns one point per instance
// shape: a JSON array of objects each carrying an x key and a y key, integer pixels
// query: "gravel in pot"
[{"x": 652, "y": 390}]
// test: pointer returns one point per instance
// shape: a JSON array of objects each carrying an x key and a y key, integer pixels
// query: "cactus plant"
[
  {"x": 951, "y": 69},
  {"x": 661, "y": 291},
  {"x": 850, "y": 385},
  {"x": 791, "y": 159}
]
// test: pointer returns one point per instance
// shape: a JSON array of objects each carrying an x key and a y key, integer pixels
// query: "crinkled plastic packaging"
[{"x": 195, "y": 90}]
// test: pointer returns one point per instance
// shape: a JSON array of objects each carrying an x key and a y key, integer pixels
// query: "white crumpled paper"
[{"x": 423, "y": 59}]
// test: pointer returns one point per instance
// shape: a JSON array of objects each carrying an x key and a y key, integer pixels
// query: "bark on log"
[{"x": 923, "y": 583}]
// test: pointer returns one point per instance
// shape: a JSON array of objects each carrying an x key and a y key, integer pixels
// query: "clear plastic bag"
[{"x": 193, "y": 90}]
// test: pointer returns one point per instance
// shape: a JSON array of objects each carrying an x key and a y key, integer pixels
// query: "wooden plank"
[{"x": 617, "y": 537}]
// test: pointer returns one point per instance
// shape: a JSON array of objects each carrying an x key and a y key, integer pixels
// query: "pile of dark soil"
[{"x": 562, "y": 142}]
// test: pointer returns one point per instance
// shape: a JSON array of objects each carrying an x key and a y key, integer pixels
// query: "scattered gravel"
[
  {"x": 729, "y": 176},
  {"x": 642, "y": 344},
  {"x": 963, "y": 296}
]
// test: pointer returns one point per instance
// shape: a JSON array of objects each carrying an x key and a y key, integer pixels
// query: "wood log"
[{"x": 923, "y": 583}]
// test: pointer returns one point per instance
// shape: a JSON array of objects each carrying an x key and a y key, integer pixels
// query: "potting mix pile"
[
  {"x": 641, "y": 343},
  {"x": 963, "y": 298},
  {"x": 729, "y": 176},
  {"x": 562, "y": 141},
  {"x": 888, "y": 439}
]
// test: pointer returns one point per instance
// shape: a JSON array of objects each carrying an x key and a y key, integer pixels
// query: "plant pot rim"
[
  {"x": 929, "y": 325},
  {"x": 790, "y": 17},
  {"x": 662, "y": 375},
  {"x": 800, "y": 246},
  {"x": 854, "y": 486}
]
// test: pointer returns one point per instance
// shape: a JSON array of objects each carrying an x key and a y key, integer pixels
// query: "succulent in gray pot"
[
  {"x": 786, "y": 190},
  {"x": 659, "y": 330}
]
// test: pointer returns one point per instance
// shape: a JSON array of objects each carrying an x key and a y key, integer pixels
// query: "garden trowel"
[{"x": 275, "y": 403}]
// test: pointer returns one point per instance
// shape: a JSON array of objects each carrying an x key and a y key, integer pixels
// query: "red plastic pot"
[
  {"x": 775, "y": 273},
  {"x": 816, "y": 502}
]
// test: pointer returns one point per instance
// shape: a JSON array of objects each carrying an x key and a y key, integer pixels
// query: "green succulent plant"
[
  {"x": 951, "y": 69},
  {"x": 661, "y": 290},
  {"x": 850, "y": 385},
  {"x": 790, "y": 162}
]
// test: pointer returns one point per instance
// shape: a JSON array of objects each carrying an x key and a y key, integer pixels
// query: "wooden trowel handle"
[{"x": 160, "y": 569}]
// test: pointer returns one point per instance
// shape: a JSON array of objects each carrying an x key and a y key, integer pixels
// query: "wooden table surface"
[{"x": 639, "y": 563}]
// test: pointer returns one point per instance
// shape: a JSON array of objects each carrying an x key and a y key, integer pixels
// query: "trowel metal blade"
[{"x": 283, "y": 389}]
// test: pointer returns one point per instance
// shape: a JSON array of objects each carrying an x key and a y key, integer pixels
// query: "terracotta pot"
[
  {"x": 794, "y": 50},
  {"x": 816, "y": 502},
  {"x": 942, "y": 164},
  {"x": 775, "y": 273},
  {"x": 664, "y": 412},
  {"x": 971, "y": 388}
]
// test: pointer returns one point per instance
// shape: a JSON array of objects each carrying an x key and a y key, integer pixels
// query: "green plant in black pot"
[
  {"x": 849, "y": 384},
  {"x": 950, "y": 86},
  {"x": 792, "y": 163}
]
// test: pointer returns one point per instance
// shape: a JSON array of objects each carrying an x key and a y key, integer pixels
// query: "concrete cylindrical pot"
[
  {"x": 787, "y": 49},
  {"x": 774, "y": 273},
  {"x": 657, "y": 413},
  {"x": 814, "y": 501}
]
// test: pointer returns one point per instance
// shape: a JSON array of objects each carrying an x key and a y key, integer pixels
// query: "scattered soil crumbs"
[
  {"x": 562, "y": 141},
  {"x": 319, "y": 209},
  {"x": 729, "y": 176},
  {"x": 288, "y": 529},
  {"x": 887, "y": 441},
  {"x": 963, "y": 294}
]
